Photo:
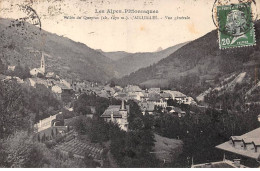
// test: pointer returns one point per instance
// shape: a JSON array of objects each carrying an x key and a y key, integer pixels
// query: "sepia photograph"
[{"x": 129, "y": 84}]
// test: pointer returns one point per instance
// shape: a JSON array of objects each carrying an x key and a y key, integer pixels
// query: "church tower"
[
  {"x": 123, "y": 111},
  {"x": 122, "y": 107},
  {"x": 42, "y": 68}
]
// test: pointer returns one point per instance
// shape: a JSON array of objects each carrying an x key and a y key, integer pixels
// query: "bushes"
[
  {"x": 2, "y": 67},
  {"x": 132, "y": 149},
  {"x": 97, "y": 130},
  {"x": 82, "y": 105},
  {"x": 40, "y": 101},
  {"x": 14, "y": 115},
  {"x": 22, "y": 151},
  {"x": 201, "y": 132},
  {"x": 20, "y": 71},
  {"x": 50, "y": 144}
]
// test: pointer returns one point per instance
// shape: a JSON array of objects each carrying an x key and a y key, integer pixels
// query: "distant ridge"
[
  {"x": 117, "y": 55},
  {"x": 125, "y": 63}
]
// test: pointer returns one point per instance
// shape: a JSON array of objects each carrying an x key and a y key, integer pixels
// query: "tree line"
[
  {"x": 203, "y": 129},
  {"x": 130, "y": 149}
]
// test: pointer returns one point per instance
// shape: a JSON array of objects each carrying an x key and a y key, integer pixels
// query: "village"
[
  {"x": 56, "y": 127},
  {"x": 58, "y": 133},
  {"x": 147, "y": 99}
]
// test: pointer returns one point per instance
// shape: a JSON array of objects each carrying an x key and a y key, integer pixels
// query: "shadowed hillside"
[
  {"x": 68, "y": 58},
  {"x": 194, "y": 64}
]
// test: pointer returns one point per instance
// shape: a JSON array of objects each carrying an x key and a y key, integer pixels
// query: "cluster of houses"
[
  {"x": 54, "y": 82},
  {"x": 151, "y": 98},
  {"x": 40, "y": 76},
  {"x": 147, "y": 100}
]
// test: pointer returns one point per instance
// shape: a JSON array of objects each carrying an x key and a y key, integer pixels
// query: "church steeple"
[
  {"x": 42, "y": 64},
  {"x": 124, "y": 113},
  {"x": 122, "y": 107}
]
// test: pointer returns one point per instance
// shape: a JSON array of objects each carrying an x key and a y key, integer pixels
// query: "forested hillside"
[
  {"x": 24, "y": 42},
  {"x": 195, "y": 63}
]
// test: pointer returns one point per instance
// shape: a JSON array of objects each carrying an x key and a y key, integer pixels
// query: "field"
[
  {"x": 167, "y": 149},
  {"x": 80, "y": 149}
]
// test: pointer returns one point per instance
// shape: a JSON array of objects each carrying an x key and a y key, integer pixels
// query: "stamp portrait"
[{"x": 236, "y": 28}]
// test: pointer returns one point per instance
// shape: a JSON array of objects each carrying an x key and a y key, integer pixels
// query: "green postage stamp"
[{"x": 236, "y": 27}]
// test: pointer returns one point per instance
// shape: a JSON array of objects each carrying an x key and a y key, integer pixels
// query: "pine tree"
[
  {"x": 39, "y": 138},
  {"x": 52, "y": 133},
  {"x": 56, "y": 131},
  {"x": 43, "y": 137},
  {"x": 2, "y": 67}
]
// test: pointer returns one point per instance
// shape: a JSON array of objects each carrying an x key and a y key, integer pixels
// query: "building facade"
[{"x": 117, "y": 114}]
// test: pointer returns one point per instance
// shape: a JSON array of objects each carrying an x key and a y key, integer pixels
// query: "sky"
[{"x": 120, "y": 35}]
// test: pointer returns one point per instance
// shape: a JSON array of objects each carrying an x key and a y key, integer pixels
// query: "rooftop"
[
  {"x": 50, "y": 74},
  {"x": 121, "y": 95},
  {"x": 132, "y": 88},
  {"x": 147, "y": 106},
  {"x": 236, "y": 138},
  {"x": 154, "y": 89},
  {"x": 253, "y": 135},
  {"x": 175, "y": 93},
  {"x": 166, "y": 95},
  {"x": 220, "y": 164},
  {"x": 250, "y": 140},
  {"x": 115, "y": 110},
  {"x": 154, "y": 97},
  {"x": 63, "y": 86}
]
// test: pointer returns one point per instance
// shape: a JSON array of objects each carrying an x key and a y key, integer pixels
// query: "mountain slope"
[
  {"x": 126, "y": 63},
  {"x": 116, "y": 55},
  {"x": 228, "y": 85},
  {"x": 64, "y": 56},
  {"x": 195, "y": 64}
]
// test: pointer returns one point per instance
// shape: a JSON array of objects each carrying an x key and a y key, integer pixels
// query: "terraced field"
[{"x": 79, "y": 149}]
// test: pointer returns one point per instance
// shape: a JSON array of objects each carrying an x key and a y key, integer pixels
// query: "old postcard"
[{"x": 129, "y": 84}]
